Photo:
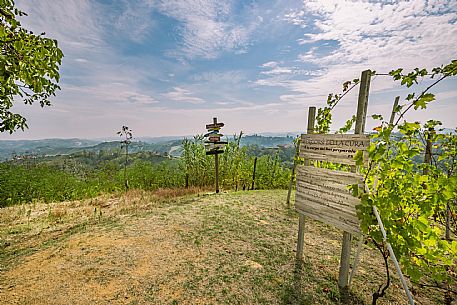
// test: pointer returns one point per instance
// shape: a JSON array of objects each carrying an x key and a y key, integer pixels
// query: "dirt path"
[{"x": 235, "y": 248}]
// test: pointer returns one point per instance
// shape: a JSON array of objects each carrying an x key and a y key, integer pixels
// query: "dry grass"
[{"x": 176, "y": 247}]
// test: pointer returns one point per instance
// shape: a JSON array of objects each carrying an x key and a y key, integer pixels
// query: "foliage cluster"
[
  {"x": 29, "y": 67},
  {"x": 89, "y": 174}
]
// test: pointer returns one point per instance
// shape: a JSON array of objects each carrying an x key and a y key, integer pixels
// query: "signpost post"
[{"x": 214, "y": 145}]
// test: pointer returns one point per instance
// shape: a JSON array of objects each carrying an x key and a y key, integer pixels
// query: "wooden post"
[
  {"x": 290, "y": 184},
  {"x": 274, "y": 170},
  {"x": 253, "y": 174},
  {"x": 301, "y": 220},
  {"x": 216, "y": 163},
  {"x": 394, "y": 112},
  {"x": 428, "y": 150},
  {"x": 362, "y": 103},
  {"x": 362, "y": 106},
  {"x": 448, "y": 221},
  {"x": 311, "y": 119}
]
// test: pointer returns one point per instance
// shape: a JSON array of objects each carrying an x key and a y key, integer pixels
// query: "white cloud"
[
  {"x": 183, "y": 95},
  {"x": 208, "y": 28},
  {"x": 225, "y": 77},
  {"x": 135, "y": 20},
  {"x": 382, "y": 34},
  {"x": 343, "y": 38}
]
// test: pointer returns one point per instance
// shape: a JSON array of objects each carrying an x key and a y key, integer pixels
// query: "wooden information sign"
[{"x": 323, "y": 194}]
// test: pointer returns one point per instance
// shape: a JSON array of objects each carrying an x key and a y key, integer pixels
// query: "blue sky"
[{"x": 168, "y": 67}]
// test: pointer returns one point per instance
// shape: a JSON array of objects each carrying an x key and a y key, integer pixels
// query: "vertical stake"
[
  {"x": 291, "y": 183},
  {"x": 394, "y": 111},
  {"x": 253, "y": 174},
  {"x": 301, "y": 220},
  {"x": 362, "y": 106}
]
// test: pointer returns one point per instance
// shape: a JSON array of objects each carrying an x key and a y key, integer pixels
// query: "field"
[{"x": 176, "y": 247}]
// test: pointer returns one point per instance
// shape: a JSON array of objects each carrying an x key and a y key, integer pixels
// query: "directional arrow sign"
[
  {"x": 213, "y": 145},
  {"x": 214, "y": 139},
  {"x": 213, "y": 134},
  {"x": 214, "y": 152},
  {"x": 216, "y": 125}
]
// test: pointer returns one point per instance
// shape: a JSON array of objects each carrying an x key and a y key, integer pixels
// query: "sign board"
[
  {"x": 214, "y": 152},
  {"x": 323, "y": 194},
  {"x": 336, "y": 148},
  {"x": 215, "y": 126},
  {"x": 212, "y": 145}
]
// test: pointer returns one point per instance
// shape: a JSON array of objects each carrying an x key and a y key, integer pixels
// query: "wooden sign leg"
[
  {"x": 301, "y": 237},
  {"x": 301, "y": 220},
  {"x": 343, "y": 278}
]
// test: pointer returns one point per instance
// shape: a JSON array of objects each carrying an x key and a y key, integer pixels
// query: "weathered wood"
[
  {"x": 214, "y": 152},
  {"x": 212, "y": 145},
  {"x": 253, "y": 174},
  {"x": 214, "y": 139},
  {"x": 336, "y": 148},
  {"x": 215, "y": 125},
  {"x": 394, "y": 112},
  {"x": 343, "y": 276},
  {"x": 291, "y": 184},
  {"x": 301, "y": 224},
  {"x": 327, "y": 175},
  {"x": 301, "y": 237},
  {"x": 216, "y": 163},
  {"x": 362, "y": 103},
  {"x": 311, "y": 120}
]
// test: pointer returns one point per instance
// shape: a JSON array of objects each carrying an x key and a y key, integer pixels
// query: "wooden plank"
[
  {"x": 213, "y": 134},
  {"x": 323, "y": 195},
  {"x": 336, "y": 148},
  {"x": 347, "y": 227},
  {"x": 327, "y": 175},
  {"x": 317, "y": 203},
  {"x": 214, "y": 152},
  {"x": 337, "y": 201},
  {"x": 212, "y": 145},
  {"x": 215, "y": 125},
  {"x": 214, "y": 139}
]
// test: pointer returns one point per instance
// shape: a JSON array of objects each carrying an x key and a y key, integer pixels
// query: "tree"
[
  {"x": 29, "y": 67},
  {"x": 126, "y": 133}
]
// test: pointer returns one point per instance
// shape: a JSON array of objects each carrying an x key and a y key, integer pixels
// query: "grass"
[{"x": 176, "y": 247}]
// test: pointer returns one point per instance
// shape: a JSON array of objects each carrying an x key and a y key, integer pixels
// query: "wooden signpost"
[
  {"x": 323, "y": 194},
  {"x": 214, "y": 145}
]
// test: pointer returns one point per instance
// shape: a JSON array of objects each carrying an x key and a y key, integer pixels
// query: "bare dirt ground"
[{"x": 156, "y": 248}]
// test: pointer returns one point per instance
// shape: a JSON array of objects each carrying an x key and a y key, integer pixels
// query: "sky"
[{"x": 166, "y": 68}]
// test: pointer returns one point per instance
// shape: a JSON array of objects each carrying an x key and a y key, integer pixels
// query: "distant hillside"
[
  {"x": 42, "y": 147},
  {"x": 171, "y": 146}
]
